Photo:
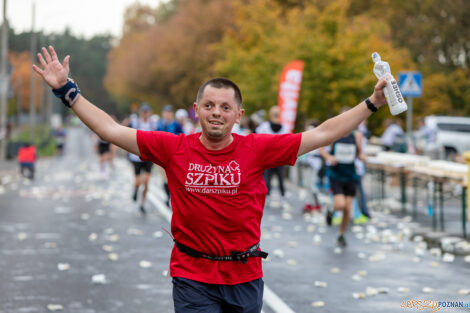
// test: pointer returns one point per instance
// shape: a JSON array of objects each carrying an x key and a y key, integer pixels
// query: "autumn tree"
[
  {"x": 168, "y": 60},
  {"x": 437, "y": 36},
  {"x": 335, "y": 47},
  {"x": 21, "y": 77},
  {"x": 88, "y": 63}
]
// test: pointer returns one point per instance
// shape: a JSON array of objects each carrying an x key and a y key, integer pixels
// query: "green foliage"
[
  {"x": 88, "y": 63},
  {"x": 436, "y": 34},
  {"x": 43, "y": 140},
  {"x": 336, "y": 50},
  {"x": 167, "y": 51}
]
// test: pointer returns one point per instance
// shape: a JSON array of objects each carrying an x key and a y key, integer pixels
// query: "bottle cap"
[{"x": 376, "y": 57}]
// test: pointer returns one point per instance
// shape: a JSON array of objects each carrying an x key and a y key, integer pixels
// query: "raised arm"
[
  {"x": 56, "y": 75},
  {"x": 341, "y": 125}
]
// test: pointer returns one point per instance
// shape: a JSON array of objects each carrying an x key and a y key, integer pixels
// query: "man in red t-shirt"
[{"x": 217, "y": 182}]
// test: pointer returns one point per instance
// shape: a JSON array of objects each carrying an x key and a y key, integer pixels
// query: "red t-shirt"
[
  {"x": 218, "y": 198},
  {"x": 27, "y": 154}
]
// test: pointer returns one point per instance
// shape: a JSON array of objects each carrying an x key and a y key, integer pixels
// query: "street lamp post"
[
  {"x": 32, "y": 95},
  {"x": 4, "y": 80}
]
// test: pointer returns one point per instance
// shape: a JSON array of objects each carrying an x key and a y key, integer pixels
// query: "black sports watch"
[{"x": 370, "y": 105}]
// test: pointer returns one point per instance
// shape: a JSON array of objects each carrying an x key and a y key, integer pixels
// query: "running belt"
[{"x": 234, "y": 255}]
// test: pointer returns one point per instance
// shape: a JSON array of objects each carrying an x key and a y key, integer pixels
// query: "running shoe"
[
  {"x": 142, "y": 210},
  {"x": 134, "y": 196},
  {"x": 337, "y": 219},
  {"x": 362, "y": 219},
  {"x": 329, "y": 217},
  {"x": 341, "y": 241}
]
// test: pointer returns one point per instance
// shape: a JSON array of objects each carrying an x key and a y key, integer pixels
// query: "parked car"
[{"x": 452, "y": 134}]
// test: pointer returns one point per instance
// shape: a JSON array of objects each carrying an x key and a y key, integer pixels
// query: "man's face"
[{"x": 218, "y": 111}]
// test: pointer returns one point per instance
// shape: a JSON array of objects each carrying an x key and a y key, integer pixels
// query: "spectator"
[{"x": 392, "y": 135}]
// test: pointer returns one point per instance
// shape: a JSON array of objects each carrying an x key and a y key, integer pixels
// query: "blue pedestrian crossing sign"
[{"x": 410, "y": 84}]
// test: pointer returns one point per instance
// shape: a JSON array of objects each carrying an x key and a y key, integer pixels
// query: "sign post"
[{"x": 411, "y": 87}]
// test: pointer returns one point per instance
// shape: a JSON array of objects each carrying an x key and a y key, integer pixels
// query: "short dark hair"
[{"x": 221, "y": 82}]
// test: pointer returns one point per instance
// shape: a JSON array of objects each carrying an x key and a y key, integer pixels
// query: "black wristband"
[
  {"x": 370, "y": 105},
  {"x": 68, "y": 93}
]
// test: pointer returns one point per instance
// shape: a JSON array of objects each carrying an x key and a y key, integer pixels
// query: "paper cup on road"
[
  {"x": 320, "y": 284},
  {"x": 55, "y": 307},
  {"x": 318, "y": 304},
  {"x": 98, "y": 279}
]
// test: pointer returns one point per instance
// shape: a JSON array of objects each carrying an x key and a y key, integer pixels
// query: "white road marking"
[{"x": 274, "y": 302}]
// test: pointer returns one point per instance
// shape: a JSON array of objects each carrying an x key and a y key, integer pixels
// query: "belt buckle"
[{"x": 240, "y": 256}]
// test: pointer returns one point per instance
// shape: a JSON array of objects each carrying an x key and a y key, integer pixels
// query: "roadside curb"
[{"x": 446, "y": 242}]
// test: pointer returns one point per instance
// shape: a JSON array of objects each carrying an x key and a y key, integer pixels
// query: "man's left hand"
[{"x": 378, "y": 97}]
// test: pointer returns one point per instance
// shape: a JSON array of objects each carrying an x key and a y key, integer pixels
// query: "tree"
[
  {"x": 88, "y": 63},
  {"x": 21, "y": 76},
  {"x": 437, "y": 36},
  {"x": 335, "y": 47},
  {"x": 169, "y": 60}
]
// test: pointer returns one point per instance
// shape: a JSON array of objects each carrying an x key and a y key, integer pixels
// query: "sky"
[{"x": 83, "y": 17}]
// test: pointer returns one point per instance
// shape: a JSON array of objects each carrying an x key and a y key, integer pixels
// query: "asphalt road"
[{"x": 73, "y": 223}]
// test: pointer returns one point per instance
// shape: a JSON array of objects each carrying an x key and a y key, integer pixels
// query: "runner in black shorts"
[
  {"x": 104, "y": 148},
  {"x": 142, "y": 166},
  {"x": 343, "y": 177},
  {"x": 142, "y": 169},
  {"x": 347, "y": 188}
]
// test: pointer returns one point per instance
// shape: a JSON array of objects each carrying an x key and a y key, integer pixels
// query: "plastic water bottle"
[{"x": 392, "y": 92}]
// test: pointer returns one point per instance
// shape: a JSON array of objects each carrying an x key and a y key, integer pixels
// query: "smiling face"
[{"x": 218, "y": 111}]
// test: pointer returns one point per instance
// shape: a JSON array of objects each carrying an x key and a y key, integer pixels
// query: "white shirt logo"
[{"x": 208, "y": 178}]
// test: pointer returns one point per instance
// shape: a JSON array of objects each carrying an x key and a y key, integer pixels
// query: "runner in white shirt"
[
  {"x": 273, "y": 126},
  {"x": 142, "y": 169}
]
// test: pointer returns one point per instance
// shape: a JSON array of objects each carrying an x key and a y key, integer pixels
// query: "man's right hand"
[{"x": 54, "y": 73}]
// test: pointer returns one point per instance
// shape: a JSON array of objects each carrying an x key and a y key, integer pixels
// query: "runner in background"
[
  {"x": 273, "y": 127},
  {"x": 187, "y": 124},
  {"x": 103, "y": 148},
  {"x": 343, "y": 177},
  {"x": 168, "y": 124},
  {"x": 314, "y": 160},
  {"x": 59, "y": 135},
  {"x": 142, "y": 169}
]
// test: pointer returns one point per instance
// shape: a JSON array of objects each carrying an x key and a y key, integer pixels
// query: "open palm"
[{"x": 53, "y": 72}]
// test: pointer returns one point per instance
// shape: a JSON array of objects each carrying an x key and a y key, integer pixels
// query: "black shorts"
[
  {"x": 139, "y": 166},
  {"x": 190, "y": 296},
  {"x": 103, "y": 147},
  {"x": 343, "y": 188}
]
